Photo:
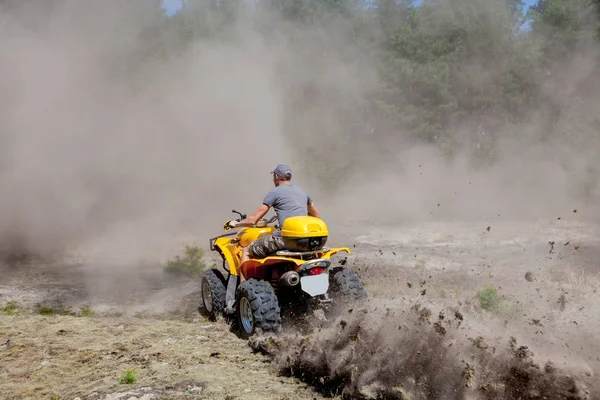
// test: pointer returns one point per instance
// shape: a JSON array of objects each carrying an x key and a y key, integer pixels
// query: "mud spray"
[
  {"x": 417, "y": 352},
  {"x": 111, "y": 156}
]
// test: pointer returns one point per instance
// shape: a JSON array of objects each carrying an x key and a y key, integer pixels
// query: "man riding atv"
[
  {"x": 288, "y": 200},
  {"x": 279, "y": 269}
]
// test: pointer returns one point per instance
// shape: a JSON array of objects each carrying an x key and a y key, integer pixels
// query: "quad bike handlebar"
[{"x": 244, "y": 216}]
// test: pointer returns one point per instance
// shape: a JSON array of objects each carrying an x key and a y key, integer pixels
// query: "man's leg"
[{"x": 245, "y": 257}]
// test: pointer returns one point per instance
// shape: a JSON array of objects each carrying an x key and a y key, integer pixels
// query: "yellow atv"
[{"x": 299, "y": 278}]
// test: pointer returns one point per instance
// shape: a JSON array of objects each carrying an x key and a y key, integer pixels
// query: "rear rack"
[
  {"x": 317, "y": 263},
  {"x": 301, "y": 254}
]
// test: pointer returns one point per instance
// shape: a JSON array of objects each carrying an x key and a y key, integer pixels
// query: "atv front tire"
[
  {"x": 213, "y": 293},
  {"x": 257, "y": 308}
]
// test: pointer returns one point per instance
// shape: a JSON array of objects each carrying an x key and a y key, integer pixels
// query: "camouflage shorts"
[{"x": 265, "y": 246}]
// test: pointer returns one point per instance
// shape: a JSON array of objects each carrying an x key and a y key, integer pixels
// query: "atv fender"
[
  {"x": 332, "y": 252},
  {"x": 228, "y": 256},
  {"x": 250, "y": 266}
]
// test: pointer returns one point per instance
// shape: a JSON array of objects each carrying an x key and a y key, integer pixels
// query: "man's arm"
[
  {"x": 313, "y": 211},
  {"x": 253, "y": 219}
]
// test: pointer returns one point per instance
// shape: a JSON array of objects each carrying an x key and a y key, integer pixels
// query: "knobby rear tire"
[
  {"x": 345, "y": 287},
  {"x": 347, "y": 284}
]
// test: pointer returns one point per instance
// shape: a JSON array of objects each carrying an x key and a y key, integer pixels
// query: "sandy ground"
[
  {"x": 70, "y": 357},
  {"x": 545, "y": 272}
]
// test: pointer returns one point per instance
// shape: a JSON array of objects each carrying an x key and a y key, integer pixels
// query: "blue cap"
[{"x": 282, "y": 171}]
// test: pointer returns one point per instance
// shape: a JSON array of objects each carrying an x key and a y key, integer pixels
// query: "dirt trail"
[{"x": 423, "y": 333}]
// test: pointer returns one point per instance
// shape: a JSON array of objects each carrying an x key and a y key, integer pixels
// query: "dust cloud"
[
  {"x": 419, "y": 185},
  {"x": 99, "y": 147},
  {"x": 105, "y": 146}
]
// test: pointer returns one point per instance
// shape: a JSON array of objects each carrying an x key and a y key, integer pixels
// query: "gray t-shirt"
[{"x": 288, "y": 201}]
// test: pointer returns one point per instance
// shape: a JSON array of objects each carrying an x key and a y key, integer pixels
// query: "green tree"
[
  {"x": 564, "y": 25},
  {"x": 456, "y": 73},
  {"x": 455, "y": 66}
]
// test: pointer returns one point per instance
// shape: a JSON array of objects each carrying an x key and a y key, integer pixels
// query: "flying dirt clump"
[{"x": 405, "y": 355}]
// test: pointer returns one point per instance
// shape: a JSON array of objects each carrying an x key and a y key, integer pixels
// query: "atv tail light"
[{"x": 316, "y": 271}]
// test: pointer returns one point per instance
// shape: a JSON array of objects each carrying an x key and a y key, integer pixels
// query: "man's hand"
[
  {"x": 229, "y": 224},
  {"x": 250, "y": 221}
]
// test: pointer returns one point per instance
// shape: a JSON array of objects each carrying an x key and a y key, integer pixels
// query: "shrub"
[
  {"x": 10, "y": 308},
  {"x": 46, "y": 311},
  {"x": 190, "y": 265},
  {"x": 128, "y": 377}
]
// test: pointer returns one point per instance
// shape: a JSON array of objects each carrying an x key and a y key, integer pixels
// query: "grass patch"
[
  {"x": 128, "y": 377},
  {"x": 86, "y": 311},
  {"x": 53, "y": 311},
  {"x": 190, "y": 264},
  {"x": 11, "y": 308},
  {"x": 491, "y": 301},
  {"x": 46, "y": 311}
]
